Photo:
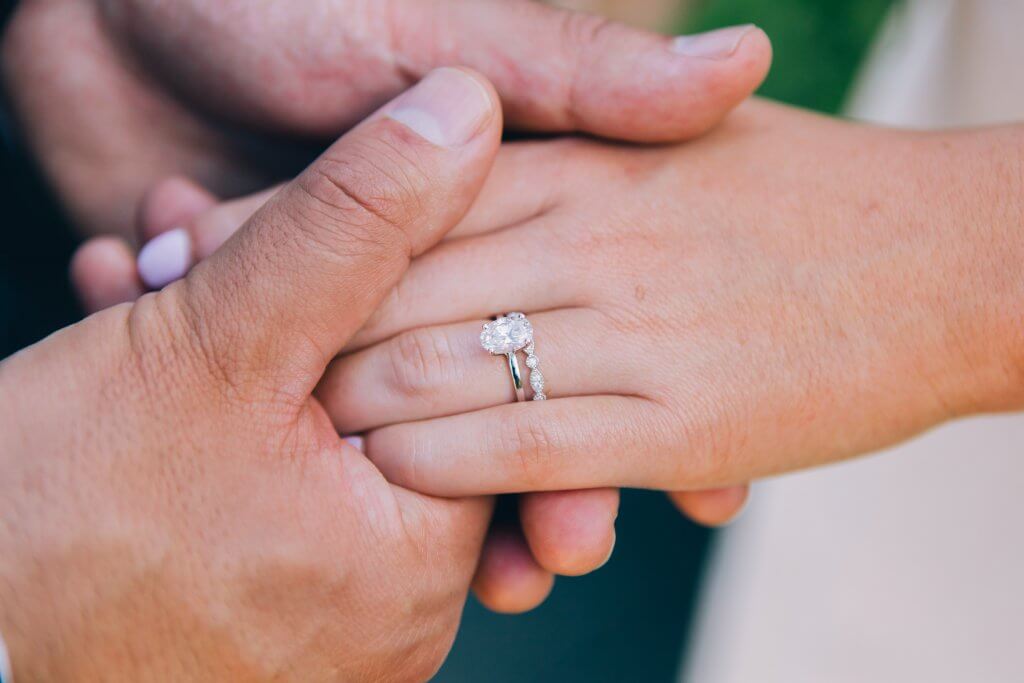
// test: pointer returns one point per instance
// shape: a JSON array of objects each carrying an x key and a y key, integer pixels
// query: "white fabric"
[
  {"x": 5, "y": 664},
  {"x": 942, "y": 63},
  {"x": 907, "y": 566}
]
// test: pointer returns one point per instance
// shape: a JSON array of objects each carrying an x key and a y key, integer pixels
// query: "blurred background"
[{"x": 628, "y": 621}]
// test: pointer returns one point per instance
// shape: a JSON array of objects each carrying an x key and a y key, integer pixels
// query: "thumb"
[
  {"x": 560, "y": 70},
  {"x": 288, "y": 289}
]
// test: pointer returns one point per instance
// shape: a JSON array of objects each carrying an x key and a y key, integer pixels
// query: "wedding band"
[
  {"x": 517, "y": 376},
  {"x": 508, "y": 334}
]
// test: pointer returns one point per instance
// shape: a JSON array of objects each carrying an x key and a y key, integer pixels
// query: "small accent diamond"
[{"x": 536, "y": 376}]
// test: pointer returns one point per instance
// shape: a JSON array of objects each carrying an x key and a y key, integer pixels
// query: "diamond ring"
[{"x": 506, "y": 336}]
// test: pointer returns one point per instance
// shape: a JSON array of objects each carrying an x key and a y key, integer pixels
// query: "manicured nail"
[
  {"x": 718, "y": 44},
  {"x": 356, "y": 442},
  {"x": 448, "y": 107},
  {"x": 165, "y": 258}
]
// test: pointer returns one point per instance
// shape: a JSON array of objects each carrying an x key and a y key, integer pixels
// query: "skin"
[
  {"x": 568, "y": 533},
  {"x": 754, "y": 314},
  {"x": 237, "y": 94},
  {"x": 189, "y": 512}
]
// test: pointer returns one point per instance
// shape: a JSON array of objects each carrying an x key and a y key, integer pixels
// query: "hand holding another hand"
[
  {"x": 787, "y": 291},
  {"x": 179, "y": 506}
]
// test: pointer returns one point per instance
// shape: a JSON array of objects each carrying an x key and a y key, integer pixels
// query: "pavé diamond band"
[{"x": 506, "y": 336}]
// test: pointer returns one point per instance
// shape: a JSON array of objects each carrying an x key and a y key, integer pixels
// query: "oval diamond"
[{"x": 506, "y": 334}]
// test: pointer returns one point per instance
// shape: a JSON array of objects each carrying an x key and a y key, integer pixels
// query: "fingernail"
[
  {"x": 448, "y": 107},
  {"x": 165, "y": 258},
  {"x": 356, "y": 442},
  {"x": 718, "y": 44}
]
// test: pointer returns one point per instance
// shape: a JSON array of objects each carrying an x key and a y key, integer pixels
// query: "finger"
[
  {"x": 559, "y": 70},
  {"x": 478, "y": 277},
  {"x": 184, "y": 225},
  {"x": 168, "y": 249},
  {"x": 573, "y": 443},
  {"x": 170, "y": 204},
  {"x": 306, "y": 271},
  {"x": 508, "y": 579},
  {"x": 528, "y": 180},
  {"x": 209, "y": 227},
  {"x": 570, "y": 533},
  {"x": 524, "y": 183},
  {"x": 712, "y": 507},
  {"x": 103, "y": 274},
  {"x": 431, "y": 372}
]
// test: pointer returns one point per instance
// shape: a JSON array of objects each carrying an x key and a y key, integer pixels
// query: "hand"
[
  {"x": 114, "y": 95},
  {"x": 177, "y": 505},
  {"x": 787, "y": 291}
]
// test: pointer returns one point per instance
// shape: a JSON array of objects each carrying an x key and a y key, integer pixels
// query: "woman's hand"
[
  {"x": 788, "y": 291},
  {"x": 177, "y": 504},
  {"x": 233, "y": 93}
]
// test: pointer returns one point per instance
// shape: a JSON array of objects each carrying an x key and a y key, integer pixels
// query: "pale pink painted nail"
[
  {"x": 447, "y": 108},
  {"x": 356, "y": 442},
  {"x": 718, "y": 44},
  {"x": 165, "y": 258}
]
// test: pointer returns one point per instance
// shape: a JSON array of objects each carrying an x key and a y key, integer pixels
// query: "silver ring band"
[{"x": 517, "y": 377}]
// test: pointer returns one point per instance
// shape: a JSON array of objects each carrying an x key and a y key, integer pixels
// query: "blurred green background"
[
  {"x": 818, "y": 43},
  {"x": 629, "y": 621}
]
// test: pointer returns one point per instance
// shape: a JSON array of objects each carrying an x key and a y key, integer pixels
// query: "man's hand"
[
  {"x": 178, "y": 506},
  {"x": 114, "y": 95}
]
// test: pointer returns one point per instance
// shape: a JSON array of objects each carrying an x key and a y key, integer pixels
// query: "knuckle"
[
  {"x": 175, "y": 347},
  {"x": 706, "y": 440},
  {"x": 421, "y": 361},
  {"x": 533, "y": 446},
  {"x": 375, "y": 184},
  {"x": 166, "y": 349},
  {"x": 579, "y": 30}
]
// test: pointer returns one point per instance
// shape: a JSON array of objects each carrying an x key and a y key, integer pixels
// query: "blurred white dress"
[{"x": 908, "y": 566}]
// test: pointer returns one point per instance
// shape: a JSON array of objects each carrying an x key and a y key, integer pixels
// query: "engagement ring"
[{"x": 506, "y": 336}]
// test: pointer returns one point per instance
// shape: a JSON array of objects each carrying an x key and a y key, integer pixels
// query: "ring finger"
[{"x": 437, "y": 371}]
